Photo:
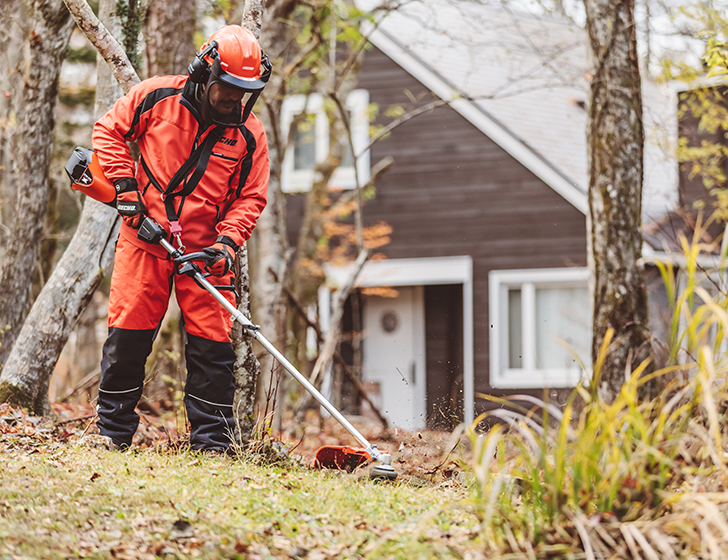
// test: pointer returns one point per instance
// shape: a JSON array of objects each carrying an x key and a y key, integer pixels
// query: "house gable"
[
  {"x": 453, "y": 191},
  {"x": 480, "y": 118}
]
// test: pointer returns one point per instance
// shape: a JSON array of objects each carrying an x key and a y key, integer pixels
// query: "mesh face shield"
[{"x": 251, "y": 90}]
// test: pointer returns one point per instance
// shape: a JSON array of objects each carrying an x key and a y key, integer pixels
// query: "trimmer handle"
[
  {"x": 151, "y": 231},
  {"x": 198, "y": 256}
]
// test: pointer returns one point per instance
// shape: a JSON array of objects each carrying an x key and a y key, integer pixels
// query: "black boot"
[
  {"x": 122, "y": 382},
  {"x": 209, "y": 393}
]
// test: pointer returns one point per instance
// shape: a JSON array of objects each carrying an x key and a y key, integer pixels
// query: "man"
[{"x": 203, "y": 174}]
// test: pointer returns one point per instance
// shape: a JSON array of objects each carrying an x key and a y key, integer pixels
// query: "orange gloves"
[{"x": 222, "y": 259}]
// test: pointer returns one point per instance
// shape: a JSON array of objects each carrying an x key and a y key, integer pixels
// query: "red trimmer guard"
[{"x": 340, "y": 457}]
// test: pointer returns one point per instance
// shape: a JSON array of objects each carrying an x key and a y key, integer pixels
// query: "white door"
[{"x": 394, "y": 355}]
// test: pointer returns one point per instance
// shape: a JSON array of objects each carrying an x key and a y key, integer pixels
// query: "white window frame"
[
  {"x": 528, "y": 377},
  {"x": 301, "y": 180}
]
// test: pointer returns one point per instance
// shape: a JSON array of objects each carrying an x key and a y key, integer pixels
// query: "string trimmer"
[{"x": 330, "y": 456}]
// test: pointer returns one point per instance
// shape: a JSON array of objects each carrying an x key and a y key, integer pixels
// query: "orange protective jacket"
[{"x": 161, "y": 115}]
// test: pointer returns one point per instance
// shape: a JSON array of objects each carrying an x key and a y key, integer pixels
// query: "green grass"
[{"x": 68, "y": 501}]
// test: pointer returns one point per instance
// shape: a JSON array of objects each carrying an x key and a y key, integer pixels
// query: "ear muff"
[{"x": 199, "y": 68}]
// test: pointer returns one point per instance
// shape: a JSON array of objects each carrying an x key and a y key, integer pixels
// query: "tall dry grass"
[{"x": 631, "y": 478}]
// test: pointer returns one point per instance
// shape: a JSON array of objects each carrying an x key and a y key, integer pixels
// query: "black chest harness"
[{"x": 198, "y": 160}]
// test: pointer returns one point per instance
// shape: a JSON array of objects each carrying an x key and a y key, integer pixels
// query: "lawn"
[{"x": 62, "y": 499}]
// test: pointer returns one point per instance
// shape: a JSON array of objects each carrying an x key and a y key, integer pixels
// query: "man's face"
[{"x": 223, "y": 99}]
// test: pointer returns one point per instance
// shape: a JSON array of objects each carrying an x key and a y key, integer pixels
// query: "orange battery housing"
[{"x": 86, "y": 175}]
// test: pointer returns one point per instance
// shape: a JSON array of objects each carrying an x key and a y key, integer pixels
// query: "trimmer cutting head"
[
  {"x": 348, "y": 458},
  {"x": 383, "y": 469},
  {"x": 340, "y": 457}
]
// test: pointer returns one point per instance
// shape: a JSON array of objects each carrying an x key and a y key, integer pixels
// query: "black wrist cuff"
[
  {"x": 126, "y": 184},
  {"x": 225, "y": 240}
]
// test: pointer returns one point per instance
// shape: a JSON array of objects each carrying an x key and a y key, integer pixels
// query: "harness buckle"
[{"x": 176, "y": 231}]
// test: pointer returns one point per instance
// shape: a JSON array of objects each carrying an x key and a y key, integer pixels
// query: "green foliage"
[
  {"x": 696, "y": 316},
  {"x": 705, "y": 158},
  {"x": 131, "y": 14},
  {"x": 716, "y": 57},
  {"x": 704, "y": 101},
  {"x": 15, "y": 395},
  {"x": 74, "y": 98},
  {"x": 85, "y": 54}
]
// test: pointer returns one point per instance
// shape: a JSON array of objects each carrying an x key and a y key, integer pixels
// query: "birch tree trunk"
[
  {"x": 269, "y": 244},
  {"x": 24, "y": 379},
  {"x": 247, "y": 368},
  {"x": 46, "y": 45},
  {"x": 615, "y": 141}
]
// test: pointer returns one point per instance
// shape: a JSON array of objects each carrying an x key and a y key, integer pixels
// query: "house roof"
[{"x": 522, "y": 80}]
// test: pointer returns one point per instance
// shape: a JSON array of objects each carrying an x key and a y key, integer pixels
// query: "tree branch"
[{"x": 108, "y": 47}]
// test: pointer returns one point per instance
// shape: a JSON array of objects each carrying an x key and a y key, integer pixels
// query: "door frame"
[{"x": 418, "y": 272}]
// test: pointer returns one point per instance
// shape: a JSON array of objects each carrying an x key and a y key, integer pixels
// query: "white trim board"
[
  {"x": 426, "y": 272},
  {"x": 479, "y": 118}
]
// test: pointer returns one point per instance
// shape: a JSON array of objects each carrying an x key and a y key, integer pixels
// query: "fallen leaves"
[{"x": 156, "y": 501}]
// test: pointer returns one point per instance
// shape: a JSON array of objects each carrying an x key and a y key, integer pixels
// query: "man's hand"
[
  {"x": 222, "y": 258},
  {"x": 129, "y": 202}
]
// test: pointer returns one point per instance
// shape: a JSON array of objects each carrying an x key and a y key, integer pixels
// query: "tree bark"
[
  {"x": 46, "y": 46},
  {"x": 24, "y": 379},
  {"x": 615, "y": 141},
  {"x": 247, "y": 368},
  {"x": 11, "y": 51},
  {"x": 169, "y": 31},
  {"x": 269, "y": 245}
]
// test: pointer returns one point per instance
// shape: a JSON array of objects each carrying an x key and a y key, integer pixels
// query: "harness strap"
[{"x": 199, "y": 160}]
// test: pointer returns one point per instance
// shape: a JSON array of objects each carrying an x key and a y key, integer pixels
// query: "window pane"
[
  {"x": 565, "y": 314},
  {"x": 304, "y": 143},
  {"x": 515, "y": 337},
  {"x": 347, "y": 160}
]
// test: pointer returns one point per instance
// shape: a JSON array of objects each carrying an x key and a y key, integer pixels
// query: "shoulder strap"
[{"x": 198, "y": 160}]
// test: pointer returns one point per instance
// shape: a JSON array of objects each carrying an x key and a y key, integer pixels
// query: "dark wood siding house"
[{"x": 488, "y": 245}]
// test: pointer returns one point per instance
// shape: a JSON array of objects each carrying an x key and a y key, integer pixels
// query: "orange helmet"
[{"x": 233, "y": 57}]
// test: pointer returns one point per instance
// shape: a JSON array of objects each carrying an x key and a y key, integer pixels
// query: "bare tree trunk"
[
  {"x": 247, "y": 368},
  {"x": 11, "y": 52},
  {"x": 615, "y": 148},
  {"x": 269, "y": 244},
  {"x": 46, "y": 45},
  {"x": 169, "y": 33},
  {"x": 24, "y": 379}
]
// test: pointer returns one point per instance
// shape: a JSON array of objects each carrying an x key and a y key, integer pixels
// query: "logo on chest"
[{"x": 228, "y": 141}]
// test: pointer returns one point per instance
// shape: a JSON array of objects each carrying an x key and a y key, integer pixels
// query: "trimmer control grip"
[{"x": 151, "y": 231}]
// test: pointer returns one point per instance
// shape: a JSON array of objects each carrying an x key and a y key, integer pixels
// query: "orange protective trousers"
[{"x": 140, "y": 290}]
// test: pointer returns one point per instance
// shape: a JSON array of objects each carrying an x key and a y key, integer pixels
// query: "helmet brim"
[{"x": 220, "y": 76}]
